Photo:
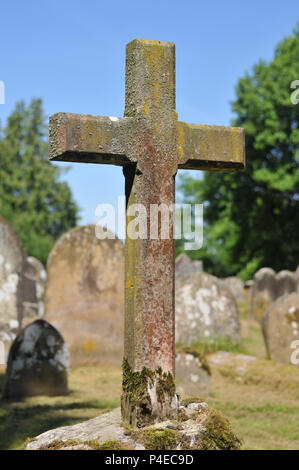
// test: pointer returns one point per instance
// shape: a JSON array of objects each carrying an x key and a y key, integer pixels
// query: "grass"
[
  {"x": 93, "y": 390},
  {"x": 262, "y": 406}
]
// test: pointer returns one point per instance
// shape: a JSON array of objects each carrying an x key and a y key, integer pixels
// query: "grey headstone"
[
  {"x": 184, "y": 265},
  {"x": 281, "y": 328},
  {"x": 205, "y": 310},
  {"x": 235, "y": 285},
  {"x": 38, "y": 362}
]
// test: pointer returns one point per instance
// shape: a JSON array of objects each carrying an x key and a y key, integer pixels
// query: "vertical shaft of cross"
[{"x": 149, "y": 270}]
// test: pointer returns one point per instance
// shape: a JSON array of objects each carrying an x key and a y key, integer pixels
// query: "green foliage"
[
  {"x": 251, "y": 217},
  {"x": 33, "y": 199}
]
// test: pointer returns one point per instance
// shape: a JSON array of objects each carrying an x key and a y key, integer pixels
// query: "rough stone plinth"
[{"x": 199, "y": 428}]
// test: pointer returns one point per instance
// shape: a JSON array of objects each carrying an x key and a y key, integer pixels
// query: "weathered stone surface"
[
  {"x": 191, "y": 377},
  {"x": 281, "y": 327},
  {"x": 268, "y": 287},
  {"x": 263, "y": 291},
  {"x": 38, "y": 362},
  {"x": 35, "y": 283},
  {"x": 84, "y": 297},
  {"x": 184, "y": 265},
  {"x": 205, "y": 310},
  {"x": 235, "y": 285},
  {"x": 16, "y": 290},
  {"x": 286, "y": 283},
  {"x": 200, "y": 428}
]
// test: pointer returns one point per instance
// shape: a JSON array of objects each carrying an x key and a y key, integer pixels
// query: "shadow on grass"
[{"x": 20, "y": 420}]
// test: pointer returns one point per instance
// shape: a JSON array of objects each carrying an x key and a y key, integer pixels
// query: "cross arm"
[
  {"x": 203, "y": 147},
  {"x": 89, "y": 139}
]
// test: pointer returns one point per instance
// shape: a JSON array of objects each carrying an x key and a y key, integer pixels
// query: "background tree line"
[{"x": 251, "y": 218}]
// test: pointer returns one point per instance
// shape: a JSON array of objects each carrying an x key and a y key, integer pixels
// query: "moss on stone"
[
  {"x": 219, "y": 434},
  {"x": 188, "y": 400},
  {"x": 114, "y": 445},
  {"x": 136, "y": 401},
  {"x": 156, "y": 439},
  {"x": 95, "y": 445}
]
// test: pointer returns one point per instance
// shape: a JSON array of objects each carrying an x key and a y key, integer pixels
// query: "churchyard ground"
[{"x": 262, "y": 405}]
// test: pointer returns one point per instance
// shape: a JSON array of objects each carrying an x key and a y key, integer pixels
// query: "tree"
[
  {"x": 38, "y": 205},
  {"x": 252, "y": 217}
]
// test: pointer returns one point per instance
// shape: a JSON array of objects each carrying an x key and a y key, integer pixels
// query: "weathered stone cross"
[{"x": 151, "y": 145}]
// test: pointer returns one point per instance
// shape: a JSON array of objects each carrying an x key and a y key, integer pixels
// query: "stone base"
[{"x": 197, "y": 427}]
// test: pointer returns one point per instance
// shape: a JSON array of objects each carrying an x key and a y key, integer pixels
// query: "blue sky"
[{"x": 71, "y": 53}]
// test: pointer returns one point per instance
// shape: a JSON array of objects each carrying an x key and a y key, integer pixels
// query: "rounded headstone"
[
  {"x": 205, "y": 310},
  {"x": 38, "y": 362},
  {"x": 281, "y": 327},
  {"x": 263, "y": 291},
  {"x": 286, "y": 283},
  {"x": 84, "y": 296}
]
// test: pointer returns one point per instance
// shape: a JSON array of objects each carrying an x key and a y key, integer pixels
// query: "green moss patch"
[
  {"x": 156, "y": 439},
  {"x": 219, "y": 434}
]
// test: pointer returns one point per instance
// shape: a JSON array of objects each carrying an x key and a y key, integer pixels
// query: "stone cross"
[{"x": 151, "y": 145}]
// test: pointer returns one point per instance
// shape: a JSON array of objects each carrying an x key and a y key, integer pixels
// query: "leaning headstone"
[
  {"x": 235, "y": 285},
  {"x": 263, "y": 291},
  {"x": 281, "y": 327},
  {"x": 38, "y": 362},
  {"x": 286, "y": 283},
  {"x": 84, "y": 296},
  {"x": 192, "y": 374},
  {"x": 205, "y": 310},
  {"x": 184, "y": 265}
]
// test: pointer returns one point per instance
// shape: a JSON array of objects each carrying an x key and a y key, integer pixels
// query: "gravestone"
[
  {"x": 206, "y": 310},
  {"x": 268, "y": 287},
  {"x": 263, "y": 291},
  {"x": 84, "y": 296},
  {"x": 18, "y": 290},
  {"x": 192, "y": 376},
  {"x": 12, "y": 261},
  {"x": 151, "y": 144},
  {"x": 235, "y": 285},
  {"x": 184, "y": 265},
  {"x": 35, "y": 283},
  {"x": 38, "y": 362},
  {"x": 281, "y": 327},
  {"x": 286, "y": 283}
]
